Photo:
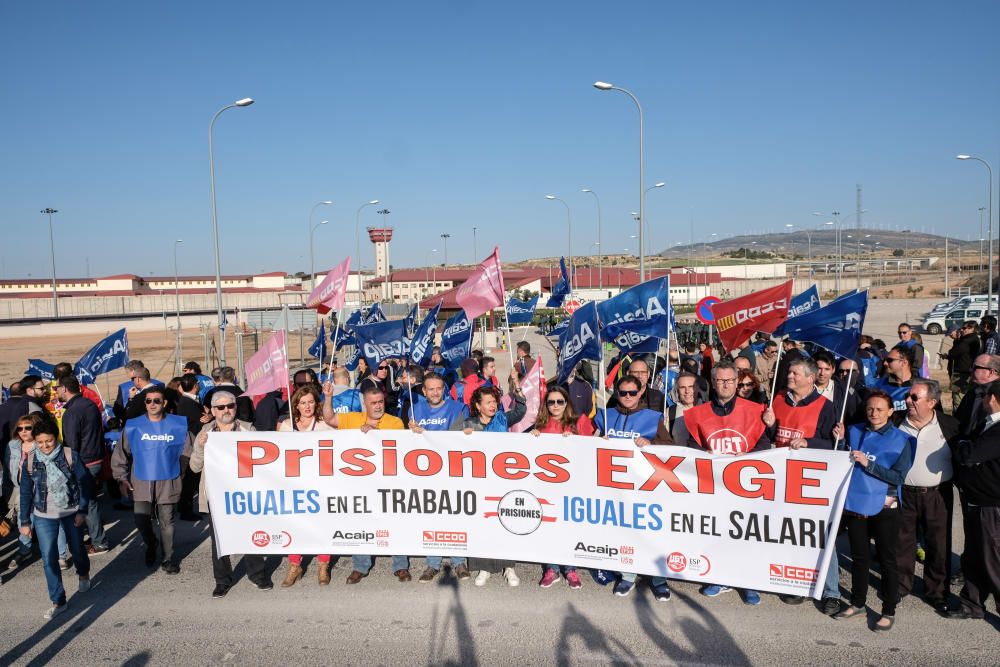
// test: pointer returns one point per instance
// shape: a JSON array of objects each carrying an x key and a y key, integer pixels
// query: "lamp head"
[
  {"x": 245, "y": 102},
  {"x": 323, "y": 222},
  {"x": 179, "y": 241},
  {"x": 962, "y": 157},
  {"x": 550, "y": 196},
  {"x": 373, "y": 202},
  {"x": 601, "y": 85},
  {"x": 660, "y": 184},
  {"x": 326, "y": 202},
  {"x": 586, "y": 190}
]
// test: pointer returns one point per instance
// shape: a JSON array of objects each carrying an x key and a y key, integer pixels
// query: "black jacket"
[
  {"x": 977, "y": 468},
  {"x": 192, "y": 411},
  {"x": 10, "y": 412},
  {"x": 970, "y": 412},
  {"x": 962, "y": 354},
  {"x": 269, "y": 411},
  {"x": 83, "y": 429}
]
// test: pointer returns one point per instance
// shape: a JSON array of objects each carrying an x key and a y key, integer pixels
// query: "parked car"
[
  {"x": 970, "y": 301},
  {"x": 937, "y": 323}
]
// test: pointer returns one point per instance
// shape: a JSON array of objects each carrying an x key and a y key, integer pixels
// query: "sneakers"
[
  {"x": 84, "y": 584},
  {"x": 21, "y": 558},
  {"x": 55, "y": 611},
  {"x": 428, "y": 575},
  {"x": 792, "y": 599},
  {"x": 623, "y": 588},
  {"x": 264, "y": 585},
  {"x": 482, "y": 578},
  {"x": 66, "y": 563},
  {"x": 462, "y": 572},
  {"x": 714, "y": 590},
  {"x": 170, "y": 567},
  {"x": 661, "y": 592},
  {"x": 550, "y": 577},
  {"x": 751, "y": 598},
  {"x": 220, "y": 591},
  {"x": 511, "y": 576},
  {"x": 98, "y": 550},
  {"x": 603, "y": 577},
  {"x": 831, "y": 606},
  {"x": 573, "y": 579}
]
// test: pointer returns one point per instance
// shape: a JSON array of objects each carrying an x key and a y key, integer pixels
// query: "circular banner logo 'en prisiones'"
[{"x": 519, "y": 512}]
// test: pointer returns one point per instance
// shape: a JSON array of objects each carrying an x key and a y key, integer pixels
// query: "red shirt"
[{"x": 583, "y": 426}]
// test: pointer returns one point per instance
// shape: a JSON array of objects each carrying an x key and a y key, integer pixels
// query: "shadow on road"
[{"x": 452, "y": 621}]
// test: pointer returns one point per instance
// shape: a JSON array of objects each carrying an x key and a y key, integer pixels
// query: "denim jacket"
[{"x": 34, "y": 486}]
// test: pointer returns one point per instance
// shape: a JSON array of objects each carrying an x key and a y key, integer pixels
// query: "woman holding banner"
[
  {"x": 304, "y": 403},
  {"x": 556, "y": 415},
  {"x": 882, "y": 455},
  {"x": 486, "y": 417}
]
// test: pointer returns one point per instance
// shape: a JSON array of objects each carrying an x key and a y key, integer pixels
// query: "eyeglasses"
[
  {"x": 745, "y": 385},
  {"x": 844, "y": 371},
  {"x": 904, "y": 332},
  {"x": 725, "y": 380},
  {"x": 154, "y": 401},
  {"x": 628, "y": 392},
  {"x": 889, "y": 360},
  {"x": 24, "y": 428},
  {"x": 984, "y": 368},
  {"x": 301, "y": 384},
  {"x": 383, "y": 368},
  {"x": 555, "y": 401},
  {"x": 224, "y": 406},
  {"x": 913, "y": 397},
  {"x": 41, "y": 388}
]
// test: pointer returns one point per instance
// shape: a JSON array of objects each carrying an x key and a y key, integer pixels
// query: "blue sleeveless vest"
[
  {"x": 898, "y": 394},
  {"x": 866, "y": 493},
  {"x": 347, "y": 401},
  {"x": 440, "y": 418},
  {"x": 156, "y": 447},
  {"x": 641, "y": 423}
]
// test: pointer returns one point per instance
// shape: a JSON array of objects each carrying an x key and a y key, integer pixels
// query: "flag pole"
[
  {"x": 333, "y": 348},
  {"x": 510, "y": 339},
  {"x": 288, "y": 382},
  {"x": 774, "y": 381},
  {"x": 604, "y": 388},
  {"x": 843, "y": 408}
]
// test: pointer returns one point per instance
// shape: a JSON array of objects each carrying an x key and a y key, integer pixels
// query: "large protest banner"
[{"x": 760, "y": 521}]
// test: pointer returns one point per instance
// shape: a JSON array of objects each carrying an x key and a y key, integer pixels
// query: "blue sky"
[{"x": 463, "y": 114}]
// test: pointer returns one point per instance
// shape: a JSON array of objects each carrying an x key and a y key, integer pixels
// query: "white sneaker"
[
  {"x": 482, "y": 578},
  {"x": 55, "y": 611},
  {"x": 84, "y": 584},
  {"x": 511, "y": 576}
]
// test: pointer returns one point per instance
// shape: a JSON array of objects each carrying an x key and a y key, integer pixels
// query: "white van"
[
  {"x": 970, "y": 301},
  {"x": 936, "y": 323}
]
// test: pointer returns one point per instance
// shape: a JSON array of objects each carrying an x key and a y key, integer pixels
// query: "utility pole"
[
  {"x": 858, "y": 213},
  {"x": 446, "y": 237}
]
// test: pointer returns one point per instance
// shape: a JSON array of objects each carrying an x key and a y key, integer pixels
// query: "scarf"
[{"x": 57, "y": 481}]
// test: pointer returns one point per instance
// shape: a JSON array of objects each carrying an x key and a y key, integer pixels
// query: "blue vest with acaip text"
[{"x": 156, "y": 447}]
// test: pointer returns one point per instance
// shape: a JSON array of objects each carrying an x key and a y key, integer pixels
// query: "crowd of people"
[{"x": 146, "y": 453}]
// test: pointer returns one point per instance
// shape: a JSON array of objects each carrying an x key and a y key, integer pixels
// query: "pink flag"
[
  {"x": 329, "y": 294},
  {"x": 268, "y": 369},
  {"x": 533, "y": 387},
  {"x": 483, "y": 291}
]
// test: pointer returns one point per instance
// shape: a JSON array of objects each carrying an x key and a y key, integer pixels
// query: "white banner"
[{"x": 760, "y": 521}]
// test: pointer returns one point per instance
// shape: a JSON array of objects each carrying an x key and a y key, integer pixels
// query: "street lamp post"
[
  {"x": 312, "y": 257},
  {"x": 312, "y": 270},
  {"x": 245, "y": 102},
  {"x": 52, "y": 252},
  {"x": 981, "y": 238},
  {"x": 569, "y": 240},
  {"x": 600, "y": 249},
  {"x": 177, "y": 305},
  {"x": 651, "y": 187},
  {"x": 601, "y": 85},
  {"x": 445, "y": 238},
  {"x": 357, "y": 244},
  {"x": 475, "y": 247},
  {"x": 989, "y": 227}
]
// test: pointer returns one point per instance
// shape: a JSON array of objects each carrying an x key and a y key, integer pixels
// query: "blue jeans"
[
  {"x": 95, "y": 526},
  {"x": 364, "y": 563},
  {"x": 47, "y": 531},
  {"x": 24, "y": 546},
  {"x": 559, "y": 568},
  {"x": 435, "y": 561},
  {"x": 831, "y": 588},
  {"x": 653, "y": 581}
]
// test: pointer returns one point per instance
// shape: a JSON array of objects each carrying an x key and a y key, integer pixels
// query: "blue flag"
[
  {"x": 318, "y": 348},
  {"x": 108, "y": 355},
  {"x": 559, "y": 328},
  {"x": 579, "y": 341},
  {"x": 456, "y": 340},
  {"x": 5, "y": 393},
  {"x": 42, "y": 369},
  {"x": 352, "y": 361},
  {"x": 422, "y": 343},
  {"x": 836, "y": 326},
  {"x": 638, "y": 317},
  {"x": 846, "y": 294},
  {"x": 561, "y": 290},
  {"x": 521, "y": 312},
  {"x": 382, "y": 340},
  {"x": 410, "y": 322},
  {"x": 804, "y": 303},
  {"x": 375, "y": 314},
  {"x": 346, "y": 331}
]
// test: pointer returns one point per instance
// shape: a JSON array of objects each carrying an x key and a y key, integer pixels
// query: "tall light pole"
[
  {"x": 312, "y": 271},
  {"x": 52, "y": 252},
  {"x": 245, "y": 102},
  {"x": 177, "y": 305},
  {"x": 434, "y": 272},
  {"x": 312, "y": 256},
  {"x": 357, "y": 244},
  {"x": 989, "y": 227},
  {"x": 444, "y": 238},
  {"x": 601, "y": 85},
  {"x": 651, "y": 187},
  {"x": 981, "y": 237},
  {"x": 569, "y": 239},
  {"x": 475, "y": 247},
  {"x": 600, "y": 248}
]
